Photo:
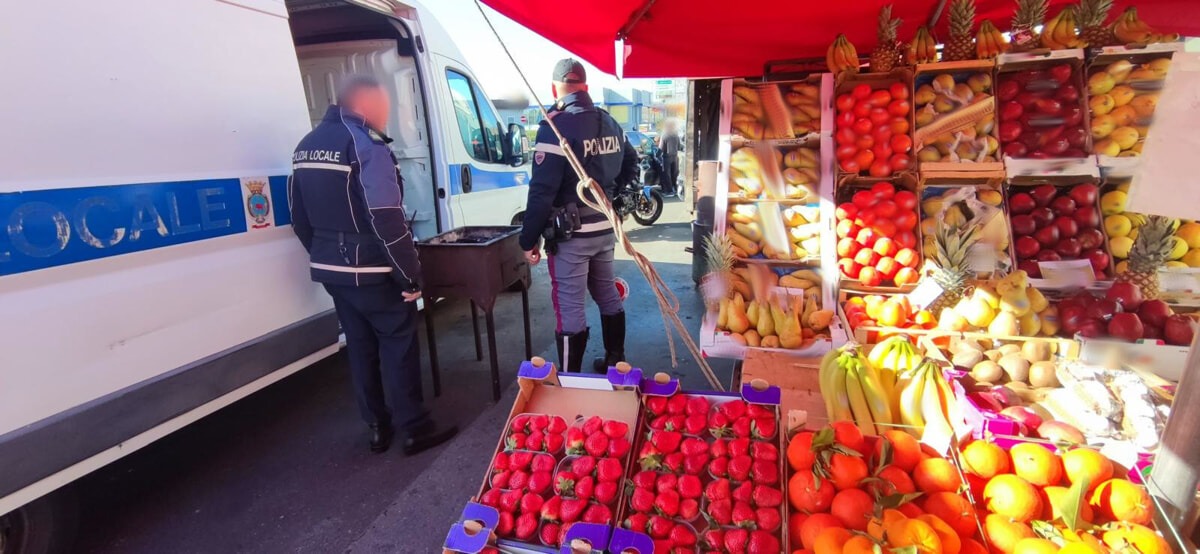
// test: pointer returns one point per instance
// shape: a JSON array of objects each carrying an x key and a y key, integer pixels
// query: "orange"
[
  {"x": 847, "y": 472},
  {"x": 852, "y": 507},
  {"x": 830, "y": 540},
  {"x": 971, "y": 546},
  {"x": 925, "y": 319},
  {"x": 846, "y": 433},
  {"x": 953, "y": 509},
  {"x": 1035, "y": 546},
  {"x": 1012, "y": 496},
  {"x": 858, "y": 544},
  {"x": 795, "y": 522},
  {"x": 1085, "y": 463},
  {"x": 1003, "y": 533},
  {"x": 1143, "y": 538},
  {"x": 1121, "y": 500},
  {"x": 877, "y": 524},
  {"x": 808, "y": 495},
  {"x": 914, "y": 532},
  {"x": 1083, "y": 542},
  {"x": 906, "y": 451},
  {"x": 985, "y": 459},
  {"x": 936, "y": 475},
  {"x": 951, "y": 544},
  {"x": 799, "y": 451},
  {"x": 892, "y": 480},
  {"x": 813, "y": 527},
  {"x": 910, "y": 509},
  {"x": 892, "y": 314},
  {"x": 1036, "y": 464},
  {"x": 1052, "y": 500}
]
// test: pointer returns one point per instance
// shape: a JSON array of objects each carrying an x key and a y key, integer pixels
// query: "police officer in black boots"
[
  {"x": 579, "y": 240},
  {"x": 347, "y": 204}
]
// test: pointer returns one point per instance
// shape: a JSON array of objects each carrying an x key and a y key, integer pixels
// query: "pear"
[
  {"x": 988, "y": 294},
  {"x": 1016, "y": 302},
  {"x": 980, "y": 82},
  {"x": 737, "y": 320},
  {"x": 950, "y": 320},
  {"x": 979, "y": 313},
  {"x": 1004, "y": 323},
  {"x": 924, "y": 95},
  {"x": 1030, "y": 324},
  {"x": 723, "y": 314},
  {"x": 1037, "y": 301},
  {"x": 766, "y": 321}
]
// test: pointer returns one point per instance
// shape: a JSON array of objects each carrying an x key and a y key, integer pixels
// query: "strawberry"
[
  {"x": 683, "y": 550},
  {"x": 538, "y": 422},
  {"x": 592, "y": 425},
  {"x": 564, "y": 483},
  {"x": 743, "y": 515},
  {"x": 721, "y": 511},
  {"x": 756, "y": 411},
  {"x": 695, "y": 424},
  {"x": 694, "y": 465},
  {"x": 657, "y": 405},
  {"x": 539, "y": 482},
  {"x": 766, "y": 473},
  {"x": 665, "y": 441},
  {"x": 762, "y": 542},
  {"x": 764, "y": 452},
  {"x": 692, "y": 446},
  {"x": 673, "y": 462},
  {"x": 509, "y": 501},
  {"x": 660, "y": 527},
  {"x": 719, "y": 467},
  {"x": 490, "y": 498},
  {"x": 608, "y": 470},
  {"x": 659, "y": 423},
  {"x": 764, "y": 427},
  {"x": 596, "y": 444},
  {"x": 735, "y": 540},
  {"x": 718, "y": 425},
  {"x": 642, "y": 500},
  {"x": 531, "y": 502},
  {"x": 663, "y": 546},
  {"x": 615, "y": 429},
  {"x": 666, "y": 482},
  {"x": 500, "y": 479},
  {"x": 504, "y": 526},
  {"x": 583, "y": 465},
  {"x": 667, "y": 503},
  {"x": 717, "y": 490},
  {"x": 501, "y": 461},
  {"x": 675, "y": 422},
  {"x": 645, "y": 479},
  {"x": 519, "y": 460},
  {"x": 574, "y": 441},
  {"x": 741, "y": 427},
  {"x": 689, "y": 486},
  {"x": 562, "y": 532},
  {"x": 719, "y": 448},
  {"x": 714, "y": 539},
  {"x": 766, "y": 497},
  {"x": 618, "y": 448},
  {"x": 542, "y": 462},
  {"x": 739, "y": 467},
  {"x": 516, "y": 441},
  {"x": 535, "y": 440},
  {"x": 556, "y": 425},
  {"x": 518, "y": 480},
  {"x": 571, "y": 509},
  {"x": 549, "y": 534},
  {"x": 606, "y": 492},
  {"x": 597, "y": 513},
  {"x": 742, "y": 492},
  {"x": 585, "y": 487},
  {"x": 689, "y": 508},
  {"x": 739, "y": 447},
  {"x": 768, "y": 519},
  {"x": 733, "y": 409},
  {"x": 677, "y": 404},
  {"x": 525, "y": 527},
  {"x": 649, "y": 457},
  {"x": 682, "y": 536},
  {"x": 636, "y": 522},
  {"x": 519, "y": 423},
  {"x": 554, "y": 442},
  {"x": 551, "y": 508},
  {"x": 696, "y": 405}
]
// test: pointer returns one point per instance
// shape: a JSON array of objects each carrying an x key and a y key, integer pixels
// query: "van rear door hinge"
[{"x": 420, "y": 44}]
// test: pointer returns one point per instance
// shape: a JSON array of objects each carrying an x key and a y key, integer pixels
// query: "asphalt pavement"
[{"x": 288, "y": 470}]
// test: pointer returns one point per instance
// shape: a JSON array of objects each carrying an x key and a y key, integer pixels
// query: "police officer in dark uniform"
[
  {"x": 347, "y": 200},
  {"x": 579, "y": 240}
]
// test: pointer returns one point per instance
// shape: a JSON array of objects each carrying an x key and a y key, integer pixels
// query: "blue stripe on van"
[
  {"x": 482, "y": 179},
  {"x": 48, "y": 228}
]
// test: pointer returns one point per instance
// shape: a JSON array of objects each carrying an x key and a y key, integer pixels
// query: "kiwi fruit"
[
  {"x": 1016, "y": 367},
  {"x": 1036, "y": 351},
  {"x": 1009, "y": 349},
  {"x": 993, "y": 355},
  {"x": 1043, "y": 374},
  {"x": 988, "y": 371},
  {"x": 967, "y": 358}
]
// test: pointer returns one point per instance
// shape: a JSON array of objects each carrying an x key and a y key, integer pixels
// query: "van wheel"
[
  {"x": 518, "y": 219},
  {"x": 45, "y": 526}
]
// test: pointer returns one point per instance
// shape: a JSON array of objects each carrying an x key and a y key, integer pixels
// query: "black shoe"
[
  {"x": 572, "y": 346},
  {"x": 381, "y": 437},
  {"x": 613, "y": 328},
  {"x": 428, "y": 437}
]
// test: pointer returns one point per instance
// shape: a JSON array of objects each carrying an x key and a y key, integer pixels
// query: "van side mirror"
[{"x": 517, "y": 145}]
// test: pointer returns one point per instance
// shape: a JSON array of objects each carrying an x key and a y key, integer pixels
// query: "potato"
[
  {"x": 1043, "y": 374},
  {"x": 1009, "y": 349},
  {"x": 967, "y": 358},
  {"x": 993, "y": 355},
  {"x": 1016, "y": 367},
  {"x": 988, "y": 371}
]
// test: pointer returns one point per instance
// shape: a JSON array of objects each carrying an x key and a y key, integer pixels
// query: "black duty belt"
[{"x": 346, "y": 238}]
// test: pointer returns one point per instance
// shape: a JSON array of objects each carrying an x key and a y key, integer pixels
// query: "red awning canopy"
[{"x": 722, "y": 38}]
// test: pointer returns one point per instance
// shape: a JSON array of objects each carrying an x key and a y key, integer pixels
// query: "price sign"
[{"x": 1067, "y": 274}]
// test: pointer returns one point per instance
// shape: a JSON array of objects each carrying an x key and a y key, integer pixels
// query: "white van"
[{"x": 148, "y": 274}]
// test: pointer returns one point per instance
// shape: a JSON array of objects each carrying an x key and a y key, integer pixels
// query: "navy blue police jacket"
[
  {"x": 347, "y": 204},
  {"x": 598, "y": 143}
]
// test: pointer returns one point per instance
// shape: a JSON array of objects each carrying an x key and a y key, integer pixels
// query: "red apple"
[
  {"x": 1042, "y": 216},
  {"x": 1075, "y": 153},
  {"x": 1090, "y": 239},
  {"x": 1127, "y": 294},
  {"x": 1072, "y": 116},
  {"x": 1061, "y": 73},
  {"x": 1014, "y": 149},
  {"x": 1085, "y": 194},
  {"x": 1047, "y": 236},
  {"x": 1178, "y": 330},
  {"x": 1011, "y": 111},
  {"x": 1023, "y": 225},
  {"x": 1043, "y": 194},
  {"x": 1150, "y": 332},
  {"x": 1007, "y": 90},
  {"x": 1071, "y": 317},
  {"x": 1021, "y": 203},
  {"x": 1067, "y": 226},
  {"x": 1022, "y": 415},
  {"x": 1030, "y": 267},
  {"x": 1154, "y": 313},
  {"x": 1068, "y": 248},
  {"x": 1091, "y": 328},
  {"x": 1099, "y": 259},
  {"x": 1048, "y": 106},
  {"x": 1010, "y": 131},
  {"x": 1077, "y": 138},
  {"x": 1087, "y": 217},
  {"x": 1026, "y": 246},
  {"x": 1056, "y": 146},
  {"x": 1125, "y": 326},
  {"x": 1048, "y": 255},
  {"x": 1063, "y": 205},
  {"x": 1103, "y": 308},
  {"x": 1067, "y": 93}
]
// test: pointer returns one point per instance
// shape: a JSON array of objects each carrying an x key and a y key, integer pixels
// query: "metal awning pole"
[{"x": 1177, "y": 463}]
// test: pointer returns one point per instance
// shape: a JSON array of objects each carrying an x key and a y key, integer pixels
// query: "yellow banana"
[
  {"x": 878, "y": 396},
  {"x": 841, "y": 401},
  {"x": 858, "y": 399},
  {"x": 912, "y": 391},
  {"x": 824, "y": 378},
  {"x": 1068, "y": 34},
  {"x": 1048, "y": 32},
  {"x": 936, "y": 424}
]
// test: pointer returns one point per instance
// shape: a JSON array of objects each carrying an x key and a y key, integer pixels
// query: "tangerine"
[
  {"x": 910, "y": 509},
  {"x": 1085, "y": 463},
  {"x": 1035, "y": 546},
  {"x": 830, "y": 540},
  {"x": 892, "y": 314},
  {"x": 985, "y": 459},
  {"x": 970, "y": 546},
  {"x": 852, "y": 507},
  {"x": 847, "y": 471},
  {"x": 951, "y": 544},
  {"x": 906, "y": 451},
  {"x": 1052, "y": 500},
  {"x": 1143, "y": 538},
  {"x": 847, "y": 434},
  {"x": 809, "y": 495},
  {"x": 1003, "y": 533},
  {"x": 858, "y": 544},
  {"x": 914, "y": 532},
  {"x": 799, "y": 451},
  {"x": 1036, "y": 464},
  {"x": 795, "y": 522},
  {"x": 813, "y": 526},
  {"x": 953, "y": 509},
  {"x": 889, "y": 516},
  {"x": 1012, "y": 496},
  {"x": 1085, "y": 538},
  {"x": 891, "y": 480},
  {"x": 936, "y": 475},
  {"x": 1121, "y": 500}
]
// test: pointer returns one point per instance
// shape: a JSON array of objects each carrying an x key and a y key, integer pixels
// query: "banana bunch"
[
  {"x": 750, "y": 228},
  {"x": 923, "y": 48},
  {"x": 770, "y": 112},
  {"x": 755, "y": 173},
  {"x": 842, "y": 56},
  {"x": 1129, "y": 29},
  {"x": 852, "y": 390},
  {"x": 1061, "y": 31},
  {"x": 990, "y": 42},
  {"x": 892, "y": 358},
  {"x": 927, "y": 403}
]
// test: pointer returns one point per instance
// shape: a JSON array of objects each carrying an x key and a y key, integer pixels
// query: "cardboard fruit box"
[
  {"x": 973, "y": 196},
  {"x": 861, "y": 141},
  {"x": 947, "y": 115},
  {"x": 1084, "y": 219},
  {"x": 859, "y": 214},
  {"x": 1042, "y": 107},
  {"x": 1123, "y": 87}
]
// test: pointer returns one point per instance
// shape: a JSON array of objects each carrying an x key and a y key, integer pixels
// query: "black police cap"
[{"x": 569, "y": 70}]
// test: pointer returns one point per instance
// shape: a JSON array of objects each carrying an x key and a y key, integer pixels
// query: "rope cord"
[{"x": 668, "y": 303}]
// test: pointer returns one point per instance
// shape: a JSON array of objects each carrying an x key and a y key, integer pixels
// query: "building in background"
[{"x": 634, "y": 109}]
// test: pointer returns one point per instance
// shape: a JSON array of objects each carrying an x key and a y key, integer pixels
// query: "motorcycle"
[{"x": 644, "y": 202}]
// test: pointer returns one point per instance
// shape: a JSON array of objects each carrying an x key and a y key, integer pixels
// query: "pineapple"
[
  {"x": 1092, "y": 14},
  {"x": 952, "y": 258},
  {"x": 1030, "y": 14},
  {"x": 886, "y": 55},
  {"x": 960, "y": 46},
  {"x": 1149, "y": 252},
  {"x": 719, "y": 256}
]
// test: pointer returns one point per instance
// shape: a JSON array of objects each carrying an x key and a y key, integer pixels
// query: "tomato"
[
  {"x": 881, "y": 169},
  {"x": 906, "y": 239},
  {"x": 898, "y": 90},
  {"x": 845, "y": 119},
  {"x": 900, "y": 162},
  {"x": 861, "y": 91},
  {"x": 905, "y": 200},
  {"x": 879, "y": 116},
  {"x": 864, "y": 142},
  {"x": 906, "y": 220},
  {"x": 882, "y": 133},
  {"x": 880, "y": 98},
  {"x": 849, "y": 165},
  {"x": 882, "y": 151},
  {"x": 845, "y": 102},
  {"x": 899, "y": 126},
  {"x": 867, "y": 218},
  {"x": 845, "y": 135},
  {"x": 885, "y": 227},
  {"x": 883, "y": 191},
  {"x": 899, "y": 108},
  {"x": 886, "y": 209},
  {"x": 846, "y": 151},
  {"x": 862, "y": 110},
  {"x": 864, "y": 158},
  {"x": 901, "y": 143},
  {"x": 863, "y": 126},
  {"x": 863, "y": 199}
]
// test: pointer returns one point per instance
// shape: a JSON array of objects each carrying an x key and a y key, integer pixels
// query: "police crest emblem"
[
  {"x": 258, "y": 204},
  {"x": 539, "y": 157}
]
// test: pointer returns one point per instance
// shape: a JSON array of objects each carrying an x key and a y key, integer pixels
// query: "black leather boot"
[
  {"x": 613, "y": 327},
  {"x": 426, "y": 437},
  {"x": 381, "y": 437},
  {"x": 572, "y": 346}
]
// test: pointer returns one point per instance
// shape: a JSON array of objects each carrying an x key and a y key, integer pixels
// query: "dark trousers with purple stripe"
[{"x": 583, "y": 265}]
